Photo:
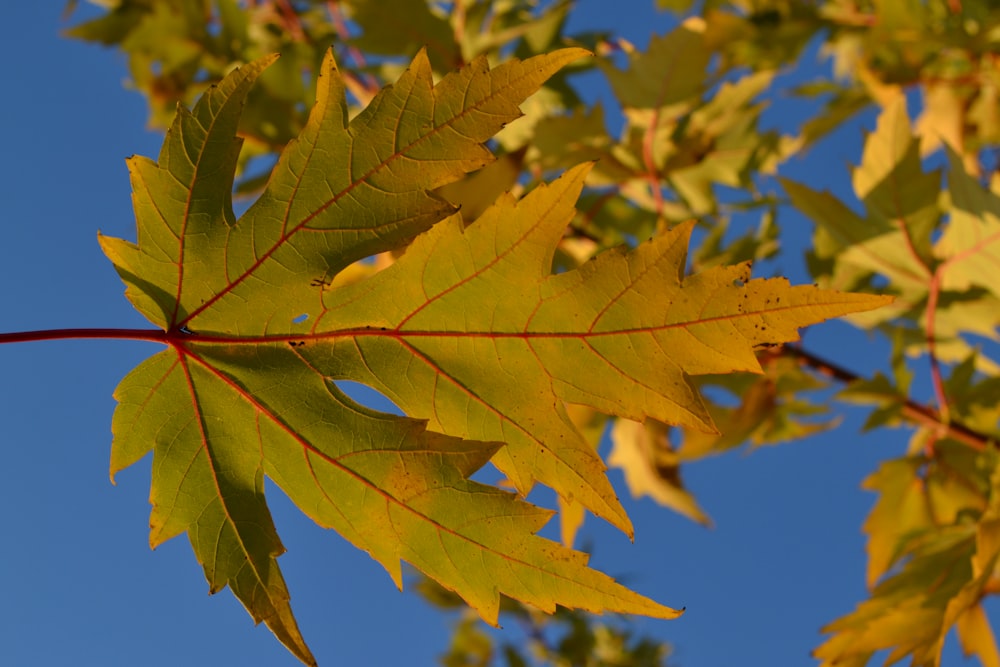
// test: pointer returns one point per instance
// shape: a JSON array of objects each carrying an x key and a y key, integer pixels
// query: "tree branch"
[{"x": 913, "y": 411}]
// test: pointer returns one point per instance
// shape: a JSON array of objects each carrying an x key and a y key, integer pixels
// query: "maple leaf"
[
  {"x": 969, "y": 245},
  {"x": 404, "y": 26},
  {"x": 669, "y": 75},
  {"x": 469, "y": 332},
  {"x": 939, "y": 573}
]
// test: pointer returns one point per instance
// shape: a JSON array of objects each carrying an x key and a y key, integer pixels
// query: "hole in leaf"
[
  {"x": 301, "y": 318},
  {"x": 368, "y": 397}
]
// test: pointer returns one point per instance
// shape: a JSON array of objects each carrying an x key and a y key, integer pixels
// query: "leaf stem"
[
  {"x": 649, "y": 161},
  {"x": 937, "y": 379},
  {"x": 153, "y": 335},
  {"x": 943, "y": 416}
]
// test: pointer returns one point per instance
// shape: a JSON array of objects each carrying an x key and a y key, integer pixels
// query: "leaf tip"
[{"x": 577, "y": 52}]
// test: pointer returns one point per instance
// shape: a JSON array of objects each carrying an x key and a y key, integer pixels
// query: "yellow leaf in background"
[
  {"x": 900, "y": 510},
  {"x": 976, "y": 636},
  {"x": 591, "y": 425},
  {"x": 651, "y": 468}
]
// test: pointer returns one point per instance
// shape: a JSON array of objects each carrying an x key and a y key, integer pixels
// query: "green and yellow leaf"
[{"x": 469, "y": 332}]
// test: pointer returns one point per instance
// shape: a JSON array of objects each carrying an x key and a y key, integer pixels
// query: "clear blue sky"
[{"x": 80, "y": 583}]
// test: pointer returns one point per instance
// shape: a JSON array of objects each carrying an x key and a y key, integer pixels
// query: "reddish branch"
[
  {"x": 911, "y": 410},
  {"x": 293, "y": 23}
]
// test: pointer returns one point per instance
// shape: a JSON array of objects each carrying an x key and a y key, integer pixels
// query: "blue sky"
[{"x": 80, "y": 583}]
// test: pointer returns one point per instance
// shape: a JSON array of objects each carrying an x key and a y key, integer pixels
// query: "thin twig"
[
  {"x": 292, "y": 21},
  {"x": 367, "y": 82},
  {"x": 458, "y": 28}
]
